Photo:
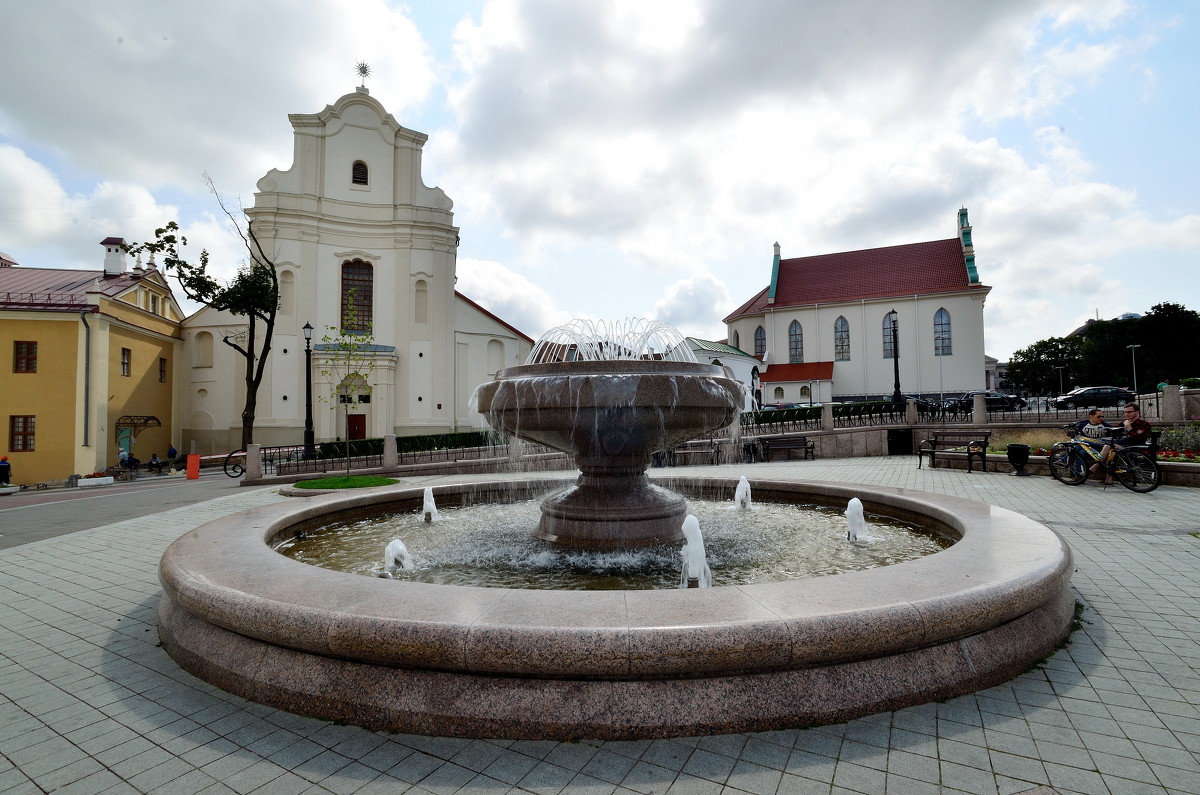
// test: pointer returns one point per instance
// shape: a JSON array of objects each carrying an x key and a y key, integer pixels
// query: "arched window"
[
  {"x": 795, "y": 343},
  {"x": 941, "y": 333},
  {"x": 357, "y": 301},
  {"x": 760, "y": 341},
  {"x": 805, "y": 391},
  {"x": 495, "y": 356},
  {"x": 778, "y": 394},
  {"x": 358, "y": 173},
  {"x": 841, "y": 340},
  {"x": 202, "y": 350},
  {"x": 420, "y": 302},
  {"x": 889, "y": 339},
  {"x": 737, "y": 339},
  {"x": 287, "y": 292}
]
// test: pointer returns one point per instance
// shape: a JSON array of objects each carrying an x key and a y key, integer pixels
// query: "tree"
[
  {"x": 1168, "y": 335},
  {"x": 1101, "y": 355},
  {"x": 253, "y": 293},
  {"x": 1036, "y": 369},
  {"x": 348, "y": 364}
]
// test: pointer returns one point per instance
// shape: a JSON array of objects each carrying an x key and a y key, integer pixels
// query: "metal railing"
[{"x": 805, "y": 418}]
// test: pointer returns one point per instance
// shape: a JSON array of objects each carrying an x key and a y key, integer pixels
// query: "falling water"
[
  {"x": 854, "y": 518},
  {"x": 396, "y": 556},
  {"x": 695, "y": 573},
  {"x": 741, "y": 495},
  {"x": 429, "y": 510}
]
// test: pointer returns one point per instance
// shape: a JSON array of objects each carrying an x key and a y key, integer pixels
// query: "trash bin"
[{"x": 1018, "y": 457}]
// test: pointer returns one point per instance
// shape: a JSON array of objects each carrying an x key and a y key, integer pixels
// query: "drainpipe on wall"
[{"x": 87, "y": 379}]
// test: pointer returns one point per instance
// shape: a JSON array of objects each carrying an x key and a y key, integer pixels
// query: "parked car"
[
  {"x": 922, "y": 403},
  {"x": 996, "y": 401},
  {"x": 1094, "y": 396}
]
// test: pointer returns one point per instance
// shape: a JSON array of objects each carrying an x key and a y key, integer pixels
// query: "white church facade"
[
  {"x": 823, "y": 327},
  {"x": 359, "y": 242}
]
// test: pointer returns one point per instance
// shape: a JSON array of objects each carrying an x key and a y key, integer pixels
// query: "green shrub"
[
  {"x": 1190, "y": 383},
  {"x": 1186, "y": 438}
]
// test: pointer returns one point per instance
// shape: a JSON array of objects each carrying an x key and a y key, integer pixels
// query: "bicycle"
[{"x": 1135, "y": 466}]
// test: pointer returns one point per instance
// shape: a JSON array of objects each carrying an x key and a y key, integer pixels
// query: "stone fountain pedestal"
[{"x": 612, "y": 416}]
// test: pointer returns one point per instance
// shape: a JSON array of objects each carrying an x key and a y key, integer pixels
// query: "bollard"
[{"x": 193, "y": 467}]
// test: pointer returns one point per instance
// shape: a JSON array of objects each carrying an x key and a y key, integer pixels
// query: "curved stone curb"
[{"x": 620, "y": 664}]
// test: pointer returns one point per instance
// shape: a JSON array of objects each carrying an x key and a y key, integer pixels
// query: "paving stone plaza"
[{"x": 90, "y": 704}]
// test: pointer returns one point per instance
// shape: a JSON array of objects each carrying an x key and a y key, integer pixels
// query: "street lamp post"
[
  {"x": 1133, "y": 356},
  {"x": 1060, "y": 367},
  {"x": 309, "y": 437},
  {"x": 896, "y": 397}
]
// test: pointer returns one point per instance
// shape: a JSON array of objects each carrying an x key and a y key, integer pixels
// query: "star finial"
[{"x": 364, "y": 71}]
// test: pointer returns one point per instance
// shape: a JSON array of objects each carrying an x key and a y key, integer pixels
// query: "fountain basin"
[{"x": 480, "y": 662}]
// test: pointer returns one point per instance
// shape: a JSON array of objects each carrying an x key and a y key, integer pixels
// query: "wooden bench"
[
  {"x": 708, "y": 452},
  {"x": 973, "y": 442},
  {"x": 789, "y": 443}
]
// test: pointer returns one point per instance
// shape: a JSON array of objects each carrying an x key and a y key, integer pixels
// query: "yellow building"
[{"x": 88, "y": 363}]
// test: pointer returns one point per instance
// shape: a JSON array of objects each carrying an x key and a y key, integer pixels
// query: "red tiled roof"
[
  {"x": 892, "y": 271},
  {"x": 808, "y": 371}
]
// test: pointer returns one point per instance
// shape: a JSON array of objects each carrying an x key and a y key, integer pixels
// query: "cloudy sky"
[{"x": 638, "y": 159}]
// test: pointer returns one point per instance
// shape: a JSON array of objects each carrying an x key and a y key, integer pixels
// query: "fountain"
[
  {"x": 741, "y": 495},
  {"x": 508, "y": 663},
  {"x": 396, "y": 556},
  {"x": 695, "y": 572},
  {"x": 429, "y": 509},
  {"x": 611, "y": 396},
  {"x": 855, "y": 521}
]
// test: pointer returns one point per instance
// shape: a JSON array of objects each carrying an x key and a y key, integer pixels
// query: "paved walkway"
[{"x": 90, "y": 704}]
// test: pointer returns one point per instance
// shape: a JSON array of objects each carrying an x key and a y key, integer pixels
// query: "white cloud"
[
  {"x": 160, "y": 94},
  {"x": 695, "y": 306},
  {"x": 509, "y": 295}
]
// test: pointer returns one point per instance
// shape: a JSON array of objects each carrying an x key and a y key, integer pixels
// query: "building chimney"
[{"x": 114, "y": 255}]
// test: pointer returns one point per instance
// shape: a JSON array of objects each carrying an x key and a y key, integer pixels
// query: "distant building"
[
  {"x": 746, "y": 368},
  {"x": 352, "y": 222},
  {"x": 824, "y": 324},
  {"x": 91, "y": 364}
]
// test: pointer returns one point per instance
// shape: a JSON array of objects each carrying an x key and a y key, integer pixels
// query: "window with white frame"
[
  {"x": 795, "y": 343},
  {"x": 841, "y": 339},
  {"x": 941, "y": 333}
]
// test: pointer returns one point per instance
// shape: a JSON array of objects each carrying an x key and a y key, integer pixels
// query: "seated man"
[
  {"x": 1134, "y": 430},
  {"x": 155, "y": 464},
  {"x": 1094, "y": 427}
]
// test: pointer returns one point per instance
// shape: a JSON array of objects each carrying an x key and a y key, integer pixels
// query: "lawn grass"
[
  {"x": 343, "y": 482},
  {"x": 1037, "y": 439}
]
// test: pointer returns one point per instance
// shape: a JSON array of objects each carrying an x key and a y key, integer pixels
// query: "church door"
[{"x": 356, "y": 426}]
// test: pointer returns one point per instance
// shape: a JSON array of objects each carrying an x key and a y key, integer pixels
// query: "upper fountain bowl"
[
  {"x": 611, "y": 416},
  {"x": 611, "y": 413}
]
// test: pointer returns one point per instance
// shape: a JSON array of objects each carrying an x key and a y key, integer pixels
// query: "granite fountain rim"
[{"x": 1004, "y": 566}]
